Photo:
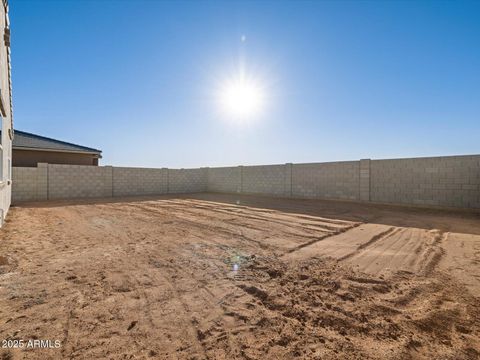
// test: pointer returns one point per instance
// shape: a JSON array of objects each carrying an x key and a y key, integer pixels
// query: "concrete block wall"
[
  {"x": 364, "y": 180},
  {"x": 26, "y": 185},
  {"x": 139, "y": 181},
  {"x": 79, "y": 181},
  {"x": 441, "y": 181},
  {"x": 187, "y": 180},
  {"x": 225, "y": 179},
  {"x": 288, "y": 180},
  {"x": 266, "y": 179},
  {"x": 335, "y": 180},
  {"x": 452, "y": 181},
  {"x": 50, "y": 182}
]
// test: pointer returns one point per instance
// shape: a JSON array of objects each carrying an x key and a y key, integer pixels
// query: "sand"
[{"x": 212, "y": 276}]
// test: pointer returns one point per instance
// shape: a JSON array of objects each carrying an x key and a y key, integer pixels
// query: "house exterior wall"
[
  {"x": 6, "y": 118},
  {"x": 30, "y": 158},
  {"x": 452, "y": 181}
]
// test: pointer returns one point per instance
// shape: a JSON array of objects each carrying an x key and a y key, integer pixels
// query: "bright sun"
[{"x": 242, "y": 98}]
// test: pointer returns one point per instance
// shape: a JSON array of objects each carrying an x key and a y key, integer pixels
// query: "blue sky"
[{"x": 343, "y": 80}]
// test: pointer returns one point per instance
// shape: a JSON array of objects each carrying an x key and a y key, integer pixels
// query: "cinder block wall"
[
  {"x": 187, "y": 180},
  {"x": 225, "y": 179},
  {"x": 79, "y": 181},
  {"x": 29, "y": 186},
  {"x": 129, "y": 181},
  {"x": 267, "y": 179},
  {"x": 452, "y": 181},
  {"x": 441, "y": 181},
  {"x": 50, "y": 182},
  {"x": 335, "y": 180}
]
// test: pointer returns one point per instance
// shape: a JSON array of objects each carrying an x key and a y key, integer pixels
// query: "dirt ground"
[{"x": 213, "y": 276}]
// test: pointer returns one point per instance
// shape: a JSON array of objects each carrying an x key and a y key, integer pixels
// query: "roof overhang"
[{"x": 96, "y": 154}]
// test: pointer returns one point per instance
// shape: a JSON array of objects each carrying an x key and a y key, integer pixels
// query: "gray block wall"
[
  {"x": 129, "y": 181},
  {"x": 441, "y": 181},
  {"x": 335, "y": 180},
  {"x": 187, "y": 180},
  {"x": 30, "y": 184},
  {"x": 51, "y": 182},
  {"x": 266, "y": 180},
  {"x": 78, "y": 181},
  {"x": 225, "y": 179},
  {"x": 452, "y": 181},
  {"x": 364, "y": 180}
]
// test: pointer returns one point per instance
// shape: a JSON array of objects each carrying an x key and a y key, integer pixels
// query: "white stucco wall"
[{"x": 6, "y": 119}]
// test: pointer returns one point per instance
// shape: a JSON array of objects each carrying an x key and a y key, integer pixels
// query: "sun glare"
[{"x": 242, "y": 98}]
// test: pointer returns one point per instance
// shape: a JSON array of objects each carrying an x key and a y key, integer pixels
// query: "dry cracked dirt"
[{"x": 213, "y": 276}]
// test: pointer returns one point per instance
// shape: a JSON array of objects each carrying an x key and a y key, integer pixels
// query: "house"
[
  {"x": 30, "y": 149},
  {"x": 6, "y": 123}
]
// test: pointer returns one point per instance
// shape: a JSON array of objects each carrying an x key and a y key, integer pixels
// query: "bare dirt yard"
[{"x": 239, "y": 277}]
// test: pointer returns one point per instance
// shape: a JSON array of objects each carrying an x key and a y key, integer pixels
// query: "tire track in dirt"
[
  {"x": 267, "y": 211},
  {"x": 380, "y": 250},
  {"x": 462, "y": 259},
  {"x": 386, "y": 250},
  {"x": 326, "y": 230},
  {"x": 240, "y": 220},
  {"x": 309, "y": 243},
  {"x": 433, "y": 254},
  {"x": 399, "y": 249},
  {"x": 373, "y": 239},
  {"x": 240, "y": 216},
  {"x": 215, "y": 229},
  {"x": 195, "y": 222},
  {"x": 292, "y": 219}
]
